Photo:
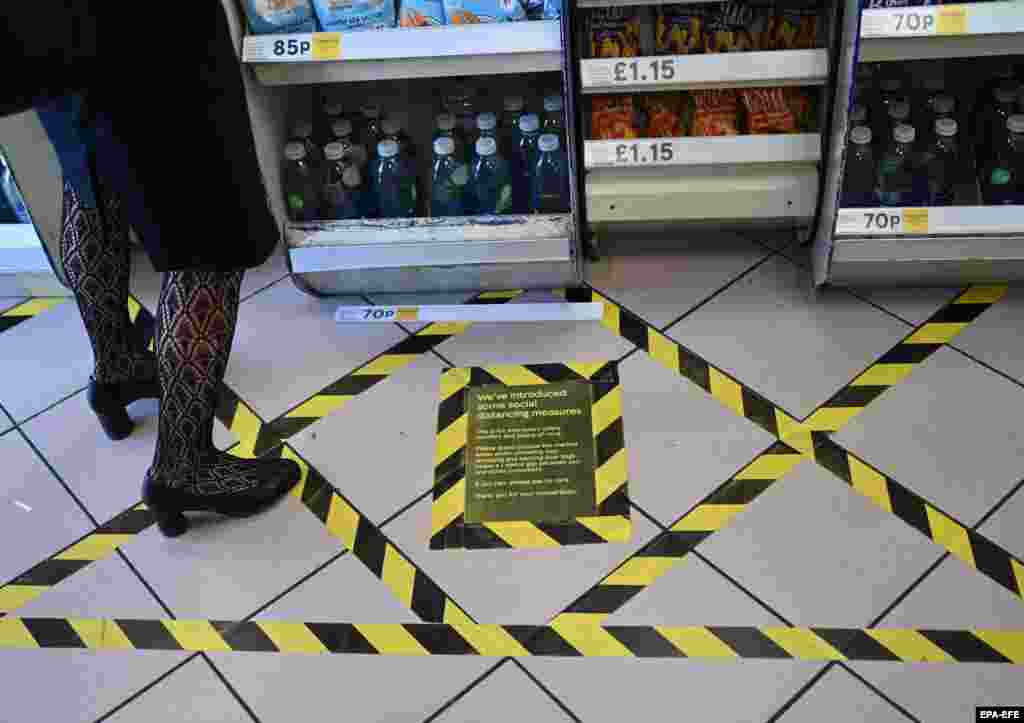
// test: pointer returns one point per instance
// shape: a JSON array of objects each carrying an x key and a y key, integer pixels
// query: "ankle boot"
[{"x": 266, "y": 481}]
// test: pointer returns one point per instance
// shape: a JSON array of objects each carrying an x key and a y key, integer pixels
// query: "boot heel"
[
  {"x": 171, "y": 522},
  {"x": 116, "y": 423}
]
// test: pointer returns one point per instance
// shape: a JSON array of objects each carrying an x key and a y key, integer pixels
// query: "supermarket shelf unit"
[
  {"x": 408, "y": 255},
  {"x": 938, "y": 245},
  {"x": 754, "y": 180}
]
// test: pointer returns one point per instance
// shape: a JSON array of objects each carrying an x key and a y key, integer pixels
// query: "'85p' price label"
[
  {"x": 882, "y": 221},
  {"x": 304, "y": 47}
]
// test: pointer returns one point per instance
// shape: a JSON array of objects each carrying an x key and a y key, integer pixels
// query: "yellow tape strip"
[
  {"x": 452, "y": 381},
  {"x": 592, "y": 641},
  {"x": 606, "y": 410},
  {"x": 1009, "y": 643},
  {"x": 950, "y": 535},
  {"x": 697, "y": 642},
  {"x": 936, "y": 333},
  {"x": 803, "y": 644},
  {"x": 521, "y": 534},
  {"x": 319, "y": 406},
  {"x": 663, "y": 350},
  {"x": 641, "y": 571},
  {"x": 870, "y": 483},
  {"x": 707, "y": 517},
  {"x": 611, "y": 528},
  {"x": 909, "y": 645},
  {"x": 14, "y": 634},
  {"x": 196, "y": 635},
  {"x": 101, "y": 634},
  {"x": 13, "y": 597},
  {"x": 981, "y": 295},
  {"x": 399, "y": 575},
  {"x": 392, "y": 639},
  {"x": 292, "y": 637},
  {"x": 451, "y": 439},
  {"x": 446, "y": 508},
  {"x": 32, "y": 307},
  {"x": 611, "y": 475},
  {"x": 883, "y": 375},
  {"x": 386, "y": 364},
  {"x": 514, "y": 375},
  {"x": 94, "y": 547},
  {"x": 829, "y": 419},
  {"x": 343, "y": 521},
  {"x": 726, "y": 391},
  {"x": 769, "y": 466}
]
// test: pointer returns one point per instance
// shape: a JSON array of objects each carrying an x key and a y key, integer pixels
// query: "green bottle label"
[
  {"x": 295, "y": 201},
  {"x": 504, "y": 204},
  {"x": 890, "y": 165},
  {"x": 1000, "y": 177}
]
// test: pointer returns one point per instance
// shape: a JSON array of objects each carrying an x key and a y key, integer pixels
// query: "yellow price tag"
[
  {"x": 327, "y": 46},
  {"x": 952, "y": 20},
  {"x": 915, "y": 220},
  {"x": 411, "y": 313}
]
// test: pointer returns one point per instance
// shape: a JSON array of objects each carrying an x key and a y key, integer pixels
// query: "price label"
[
  {"x": 914, "y": 22},
  {"x": 628, "y": 72},
  {"x": 327, "y": 46},
  {"x": 299, "y": 48},
  {"x": 630, "y": 153},
  {"x": 882, "y": 221},
  {"x": 951, "y": 20},
  {"x": 377, "y": 313}
]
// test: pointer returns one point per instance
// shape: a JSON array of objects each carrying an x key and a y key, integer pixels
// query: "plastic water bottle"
[
  {"x": 1002, "y": 178},
  {"x": 486, "y": 126},
  {"x": 524, "y": 160},
  {"x": 370, "y": 133},
  {"x": 898, "y": 114},
  {"x": 993, "y": 120},
  {"x": 890, "y": 91},
  {"x": 342, "y": 131},
  {"x": 445, "y": 126},
  {"x": 342, "y": 190},
  {"x": 394, "y": 182},
  {"x": 301, "y": 184},
  {"x": 550, "y": 183},
  {"x": 553, "y": 120},
  {"x": 449, "y": 181},
  {"x": 941, "y": 164},
  {"x": 333, "y": 111},
  {"x": 859, "y": 178},
  {"x": 508, "y": 132},
  {"x": 492, "y": 185},
  {"x": 302, "y": 132},
  {"x": 895, "y": 172}
]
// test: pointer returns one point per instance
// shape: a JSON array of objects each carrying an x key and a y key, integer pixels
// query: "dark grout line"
[
  {"x": 145, "y": 583},
  {"x": 53, "y": 471},
  {"x": 462, "y": 694},
  {"x": 878, "y": 691},
  {"x": 736, "y": 583},
  {"x": 302, "y": 580},
  {"x": 800, "y": 693},
  {"x": 986, "y": 365},
  {"x": 995, "y": 508},
  {"x": 50, "y": 406},
  {"x": 262, "y": 288},
  {"x": 651, "y": 518},
  {"x": 146, "y": 688},
  {"x": 893, "y": 314},
  {"x": 402, "y": 510},
  {"x": 227, "y": 684},
  {"x": 913, "y": 586},
  {"x": 554, "y": 698}
]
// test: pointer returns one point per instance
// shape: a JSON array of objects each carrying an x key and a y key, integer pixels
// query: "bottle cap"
[
  {"x": 444, "y": 146},
  {"x": 334, "y": 151},
  {"x": 445, "y": 122},
  {"x": 945, "y": 127},
  {"x": 370, "y": 111},
  {"x": 333, "y": 108},
  {"x": 1015, "y": 124},
  {"x": 486, "y": 146},
  {"x": 552, "y": 103},
  {"x": 529, "y": 123},
  {"x": 1006, "y": 92},
  {"x": 891, "y": 85},
  {"x": 858, "y": 114},
  {"x": 900, "y": 110},
  {"x": 548, "y": 142},
  {"x": 387, "y": 149},
  {"x": 341, "y": 127},
  {"x": 860, "y": 135},
  {"x": 934, "y": 84},
  {"x": 351, "y": 176},
  {"x": 904, "y": 133},
  {"x": 513, "y": 103},
  {"x": 302, "y": 129},
  {"x": 391, "y": 126},
  {"x": 486, "y": 121},
  {"x": 944, "y": 104},
  {"x": 294, "y": 151}
]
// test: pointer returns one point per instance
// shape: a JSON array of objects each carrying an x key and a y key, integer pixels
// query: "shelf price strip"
[
  {"x": 915, "y": 22},
  {"x": 298, "y": 48},
  {"x": 882, "y": 221},
  {"x": 643, "y": 152}
]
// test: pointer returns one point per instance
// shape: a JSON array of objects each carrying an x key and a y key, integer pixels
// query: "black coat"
[{"x": 189, "y": 175}]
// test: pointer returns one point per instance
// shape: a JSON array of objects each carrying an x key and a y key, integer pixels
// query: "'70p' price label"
[
  {"x": 912, "y": 22},
  {"x": 882, "y": 221}
]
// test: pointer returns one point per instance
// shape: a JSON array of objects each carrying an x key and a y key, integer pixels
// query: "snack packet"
[
  {"x": 767, "y": 111},
  {"x": 614, "y": 33},
  {"x": 791, "y": 29},
  {"x": 421, "y": 13},
  {"x": 716, "y": 113},
  {"x": 613, "y": 117},
  {"x": 471, "y": 12},
  {"x": 280, "y": 16},
  {"x": 804, "y": 106},
  {"x": 728, "y": 30},
  {"x": 679, "y": 29},
  {"x": 354, "y": 15},
  {"x": 664, "y": 113}
]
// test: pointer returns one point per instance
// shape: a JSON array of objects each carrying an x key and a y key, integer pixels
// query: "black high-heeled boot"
[{"x": 226, "y": 485}]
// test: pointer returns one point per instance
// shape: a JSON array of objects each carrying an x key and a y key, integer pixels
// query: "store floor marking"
[
  {"x": 896, "y": 645},
  {"x": 27, "y": 309}
]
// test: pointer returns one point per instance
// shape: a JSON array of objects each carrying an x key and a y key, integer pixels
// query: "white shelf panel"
[
  {"x": 717, "y": 70},
  {"x": 523, "y": 47},
  {"x": 941, "y": 31},
  {"x": 934, "y": 221},
  {"x": 927, "y": 260},
  {"x": 667, "y": 153}
]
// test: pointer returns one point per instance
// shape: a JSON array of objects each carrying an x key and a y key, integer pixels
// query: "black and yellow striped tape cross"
[
  {"x": 896, "y": 645},
  {"x": 28, "y": 309}
]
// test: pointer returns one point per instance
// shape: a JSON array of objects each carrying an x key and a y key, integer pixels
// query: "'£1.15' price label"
[
  {"x": 631, "y": 72},
  {"x": 641, "y": 153}
]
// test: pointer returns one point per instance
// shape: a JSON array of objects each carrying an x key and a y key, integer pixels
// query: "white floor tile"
[
  {"x": 993, "y": 337},
  {"x": 192, "y": 693},
  {"x": 505, "y": 696},
  {"x": 840, "y": 697}
]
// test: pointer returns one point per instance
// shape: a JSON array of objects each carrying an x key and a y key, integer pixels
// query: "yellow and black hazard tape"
[
  {"x": 28, "y": 309},
  {"x": 95, "y": 546},
  {"x": 611, "y": 523},
  {"x": 895, "y": 645},
  {"x": 894, "y": 366}
]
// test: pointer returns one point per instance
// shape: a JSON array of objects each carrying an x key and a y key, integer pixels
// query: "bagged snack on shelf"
[
  {"x": 715, "y": 113},
  {"x": 728, "y": 29},
  {"x": 354, "y": 15},
  {"x": 280, "y": 16},
  {"x": 767, "y": 111},
  {"x": 804, "y": 105},
  {"x": 664, "y": 113},
  {"x": 614, "y": 33},
  {"x": 791, "y": 29},
  {"x": 679, "y": 29},
  {"x": 471, "y": 12},
  {"x": 421, "y": 13},
  {"x": 613, "y": 117}
]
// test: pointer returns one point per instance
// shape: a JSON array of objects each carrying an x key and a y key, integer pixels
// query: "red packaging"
[
  {"x": 768, "y": 111},
  {"x": 716, "y": 113},
  {"x": 613, "y": 117}
]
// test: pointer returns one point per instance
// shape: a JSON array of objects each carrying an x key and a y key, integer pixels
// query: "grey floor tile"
[
  {"x": 661, "y": 287},
  {"x": 840, "y": 697},
  {"x": 226, "y": 568},
  {"x": 818, "y": 552},
  {"x": 945, "y": 693},
  {"x": 43, "y": 360},
  {"x": 914, "y": 305},
  {"x": 81, "y": 685},
  {"x": 288, "y": 347},
  {"x": 355, "y": 687},
  {"x": 454, "y": 297},
  {"x": 994, "y": 337},
  {"x": 105, "y": 475},
  {"x": 950, "y": 432},
  {"x": 505, "y": 696},
  {"x": 1004, "y": 526},
  {"x": 769, "y": 333},
  {"x": 523, "y": 586},
  {"x": 191, "y": 693},
  {"x": 681, "y": 443},
  {"x": 35, "y": 510},
  {"x": 379, "y": 450},
  {"x": 617, "y": 689}
]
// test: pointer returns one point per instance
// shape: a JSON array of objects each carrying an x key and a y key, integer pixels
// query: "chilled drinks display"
[
  {"x": 930, "y": 134},
  {"x": 473, "y": 153}
]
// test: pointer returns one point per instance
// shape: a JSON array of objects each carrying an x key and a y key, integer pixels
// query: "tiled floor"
[{"x": 808, "y": 552}]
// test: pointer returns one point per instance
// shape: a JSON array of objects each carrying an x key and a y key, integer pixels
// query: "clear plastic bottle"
[
  {"x": 449, "y": 181},
  {"x": 1002, "y": 178},
  {"x": 898, "y": 114},
  {"x": 508, "y": 130},
  {"x": 549, "y": 191},
  {"x": 858, "y": 115},
  {"x": 391, "y": 129},
  {"x": 369, "y": 132},
  {"x": 524, "y": 161},
  {"x": 461, "y": 104},
  {"x": 895, "y": 171},
  {"x": 300, "y": 182},
  {"x": 943, "y": 106},
  {"x": 341, "y": 129},
  {"x": 859, "y": 173},
  {"x": 333, "y": 111},
  {"x": 891, "y": 90},
  {"x": 491, "y": 184},
  {"x": 343, "y": 181},
  {"x": 993, "y": 120},
  {"x": 302, "y": 132},
  {"x": 942, "y": 164},
  {"x": 554, "y": 121},
  {"x": 394, "y": 182},
  {"x": 486, "y": 125}
]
